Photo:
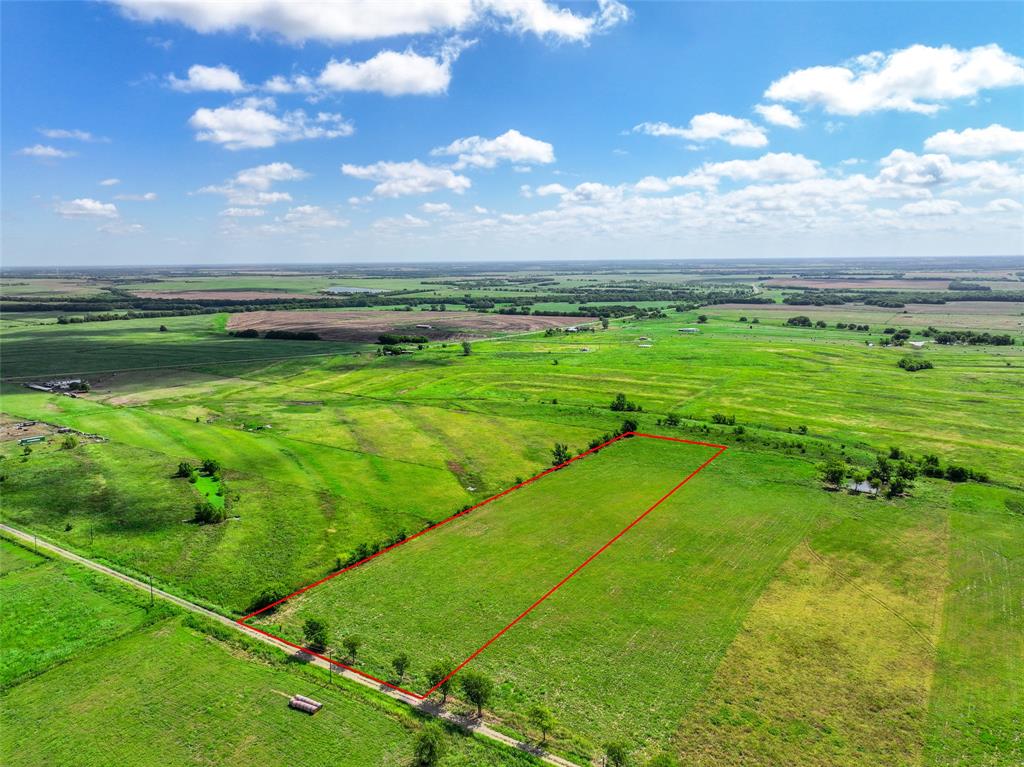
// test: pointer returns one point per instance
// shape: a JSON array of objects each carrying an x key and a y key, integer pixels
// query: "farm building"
[
  {"x": 64, "y": 383},
  {"x": 688, "y": 330},
  {"x": 572, "y": 329},
  {"x": 917, "y": 344},
  {"x": 425, "y": 327}
]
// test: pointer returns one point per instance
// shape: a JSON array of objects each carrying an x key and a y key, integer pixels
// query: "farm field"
[
  {"x": 521, "y": 545},
  {"x": 367, "y": 326},
  {"x": 125, "y": 688},
  {"x": 754, "y": 618}
]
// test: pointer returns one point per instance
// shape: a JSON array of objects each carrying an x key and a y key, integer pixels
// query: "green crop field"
[{"x": 755, "y": 617}]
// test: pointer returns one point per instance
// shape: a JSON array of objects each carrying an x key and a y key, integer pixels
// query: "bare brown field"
[
  {"x": 366, "y": 326},
  {"x": 216, "y": 295},
  {"x": 778, "y": 282}
]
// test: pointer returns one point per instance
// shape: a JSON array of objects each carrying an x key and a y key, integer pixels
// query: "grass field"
[
  {"x": 131, "y": 704},
  {"x": 517, "y": 548},
  {"x": 755, "y": 618}
]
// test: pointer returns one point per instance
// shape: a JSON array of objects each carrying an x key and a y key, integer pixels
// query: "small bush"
[{"x": 911, "y": 364}]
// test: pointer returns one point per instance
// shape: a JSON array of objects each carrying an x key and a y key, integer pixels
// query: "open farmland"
[
  {"x": 214, "y": 295},
  {"x": 753, "y": 618},
  {"x": 78, "y": 647},
  {"x": 522, "y": 545},
  {"x": 366, "y": 327}
]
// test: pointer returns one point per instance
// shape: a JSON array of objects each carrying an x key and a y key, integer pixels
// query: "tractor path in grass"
[{"x": 427, "y": 707}]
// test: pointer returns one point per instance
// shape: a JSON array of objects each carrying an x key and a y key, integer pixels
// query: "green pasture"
[
  {"x": 754, "y": 618},
  {"x": 14, "y": 557},
  {"x": 108, "y": 682},
  {"x": 53, "y": 611},
  {"x": 650, "y": 619}
]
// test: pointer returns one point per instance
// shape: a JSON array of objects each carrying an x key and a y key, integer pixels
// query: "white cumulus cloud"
[
  {"x": 203, "y": 78},
  {"x": 549, "y": 189},
  {"x": 110, "y": 182},
  {"x": 735, "y": 131},
  {"x": 977, "y": 142},
  {"x": 932, "y": 208},
  {"x": 776, "y": 114},
  {"x": 771, "y": 167},
  {"x": 85, "y": 207},
  {"x": 915, "y": 79},
  {"x": 250, "y": 124},
  {"x": 251, "y": 186},
  {"x": 391, "y": 73},
  {"x": 353, "y": 20},
  {"x": 1004, "y": 205},
  {"x": 398, "y": 179},
  {"x": 510, "y": 146},
  {"x": 45, "y": 152}
]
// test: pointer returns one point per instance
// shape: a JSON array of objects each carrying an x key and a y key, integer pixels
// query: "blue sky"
[{"x": 174, "y": 131}]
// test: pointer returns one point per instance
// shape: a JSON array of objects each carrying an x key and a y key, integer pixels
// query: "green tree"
[
  {"x": 352, "y": 643},
  {"x": 628, "y": 425},
  {"x": 208, "y": 514},
  {"x": 542, "y": 718},
  {"x": 315, "y": 632},
  {"x": 672, "y": 419},
  {"x": 559, "y": 454},
  {"x": 604, "y": 323},
  {"x": 702, "y": 318},
  {"x": 70, "y": 442},
  {"x": 897, "y": 486},
  {"x": 833, "y": 472},
  {"x": 210, "y": 466},
  {"x": 185, "y": 469},
  {"x": 467, "y": 348},
  {"x": 616, "y": 754},
  {"x": 430, "y": 745},
  {"x": 400, "y": 663},
  {"x": 882, "y": 471},
  {"x": 906, "y": 471},
  {"x": 477, "y": 688},
  {"x": 440, "y": 675}
]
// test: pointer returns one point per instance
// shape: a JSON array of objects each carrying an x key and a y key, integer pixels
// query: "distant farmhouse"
[
  {"x": 689, "y": 330},
  {"x": 59, "y": 385}
]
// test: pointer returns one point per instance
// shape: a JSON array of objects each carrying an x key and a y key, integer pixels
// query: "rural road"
[{"x": 428, "y": 707}]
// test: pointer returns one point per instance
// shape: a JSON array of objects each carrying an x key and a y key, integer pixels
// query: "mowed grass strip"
[{"x": 447, "y": 592}]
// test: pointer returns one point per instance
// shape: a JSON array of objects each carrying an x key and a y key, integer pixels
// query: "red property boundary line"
[{"x": 719, "y": 449}]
